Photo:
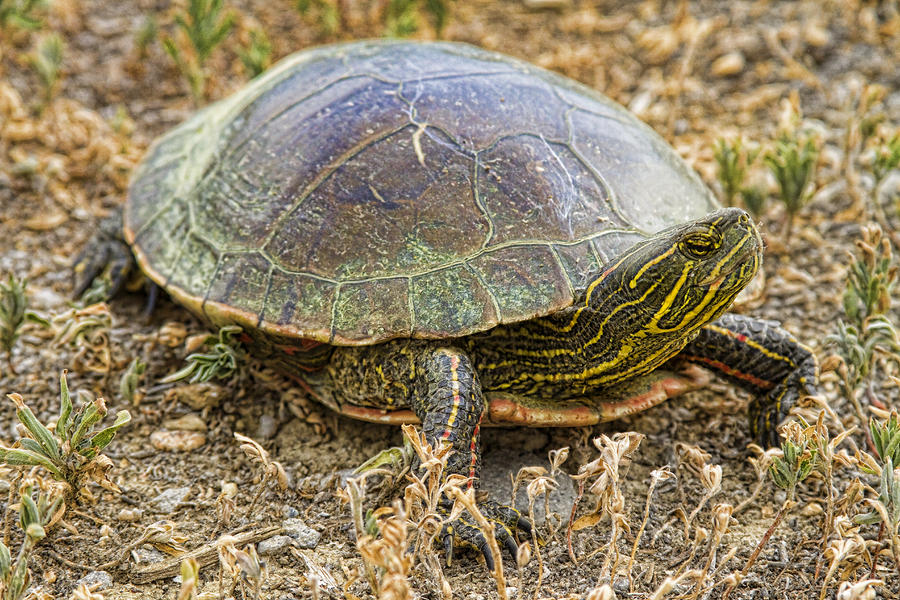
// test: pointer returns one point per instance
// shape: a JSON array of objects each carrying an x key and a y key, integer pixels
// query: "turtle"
[{"x": 431, "y": 232}]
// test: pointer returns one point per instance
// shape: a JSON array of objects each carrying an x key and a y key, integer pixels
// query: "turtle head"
[{"x": 684, "y": 276}]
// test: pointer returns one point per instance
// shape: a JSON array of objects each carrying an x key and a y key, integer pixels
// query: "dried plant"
[
  {"x": 841, "y": 550},
  {"x": 615, "y": 454},
  {"x": 203, "y": 28},
  {"x": 387, "y": 552},
  {"x": 656, "y": 476},
  {"x": 35, "y": 515},
  {"x": 859, "y": 590},
  {"x": 242, "y": 567},
  {"x": 87, "y": 330},
  {"x": 271, "y": 470},
  {"x": 72, "y": 451},
  {"x": 225, "y": 357}
]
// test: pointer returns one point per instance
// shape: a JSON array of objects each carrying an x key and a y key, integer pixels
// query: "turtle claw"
[
  {"x": 507, "y": 522},
  {"x": 768, "y": 411}
]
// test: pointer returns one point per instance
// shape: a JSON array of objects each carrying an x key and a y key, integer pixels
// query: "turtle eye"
[{"x": 697, "y": 246}]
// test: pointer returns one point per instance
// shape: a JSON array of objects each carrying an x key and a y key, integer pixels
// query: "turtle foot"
[
  {"x": 465, "y": 531},
  {"x": 768, "y": 411},
  {"x": 105, "y": 265}
]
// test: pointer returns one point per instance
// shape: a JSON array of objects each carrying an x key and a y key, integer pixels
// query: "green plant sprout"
[
  {"x": 128, "y": 385},
  {"x": 72, "y": 451},
  {"x": 34, "y": 516},
  {"x": 256, "y": 56},
  {"x": 792, "y": 162},
  {"x": 402, "y": 16},
  {"x": 798, "y": 457},
  {"x": 327, "y": 13},
  {"x": 13, "y": 314},
  {"x": 46, "y": 61},
  {"x": 871, "y": 277},
  {"x": 887, "y": 158},
  {"x": 146, "y": 35},
  {"x": 21, "y": 14},
  {"x": 866, "y": 302},
  {"x": 205, "y": 27},
  {"x": 224, "y": 358},
  {"x": 734, "y": 159}
]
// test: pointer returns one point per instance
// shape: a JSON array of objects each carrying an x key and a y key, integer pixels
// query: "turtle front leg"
[
  {"x": 106, "y": 258},
  {"x": 449, "y": 401},
  {"x": 763, "y": 358}
]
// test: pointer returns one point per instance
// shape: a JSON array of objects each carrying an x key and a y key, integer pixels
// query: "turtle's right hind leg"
[{"x": 106, "y": 264}]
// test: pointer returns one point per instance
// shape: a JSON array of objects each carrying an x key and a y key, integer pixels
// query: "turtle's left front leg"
[
  {"x": 761, "y": 357},
  {"x": 449, "y": 401}
]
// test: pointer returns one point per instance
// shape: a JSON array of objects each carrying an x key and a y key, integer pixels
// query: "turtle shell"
[{"x": 374, "y": 190}]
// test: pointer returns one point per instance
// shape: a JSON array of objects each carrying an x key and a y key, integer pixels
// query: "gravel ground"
[{"x": 695, "y": 71}]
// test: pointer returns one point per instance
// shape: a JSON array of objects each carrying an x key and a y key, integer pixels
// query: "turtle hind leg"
[
  {"x": 449, "y": 401},
  {"x": 106, "y": 264},
  {"x": 763, "y": 358}
]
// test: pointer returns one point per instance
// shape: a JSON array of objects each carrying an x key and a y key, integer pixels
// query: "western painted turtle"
[{"x": 436, "y": 233}]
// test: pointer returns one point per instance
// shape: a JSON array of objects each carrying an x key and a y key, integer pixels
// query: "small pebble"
[
  {"x": 289, "y": 512},
  {"x": 273, "y": 545},
  {"x": 130, "y": 515},
  {"x": 169, "y": 500},
  {"x": 100, "y": 579},
  {"x": 267, "y": 428},
  {"x": 177, "y": 441},
  {"x": 728, "y": 64},
  {"x": 189, "y": 422},
  {"x": 144, "y": 556},
  {"x": 306, "y": 536},
  {"x": 198, "y": 395}
]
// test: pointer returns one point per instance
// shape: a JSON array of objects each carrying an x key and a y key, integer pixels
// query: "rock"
[
  {"x": 273, "y": 545},
  {"x": 728, "y": 64},
  {"x": 130, "y": 515},
  {"x": 144, "y": 556},
  {"x": 177, "y": 441},
  {"x": 305, "y": 536},
  {"x": 100, "y": 579},
  {"x": 267, "y": 427},
  {"x": 169, "y": 500},
  {"x": 188, "y": 422},
  {"x": 500, "y": 463}
]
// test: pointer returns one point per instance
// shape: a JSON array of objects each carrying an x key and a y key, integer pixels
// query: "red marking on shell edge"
[
  {"x": 245, "y": 338},
  {"x": 446, "y": 435},
  {"x": 741, "y": 337}
]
